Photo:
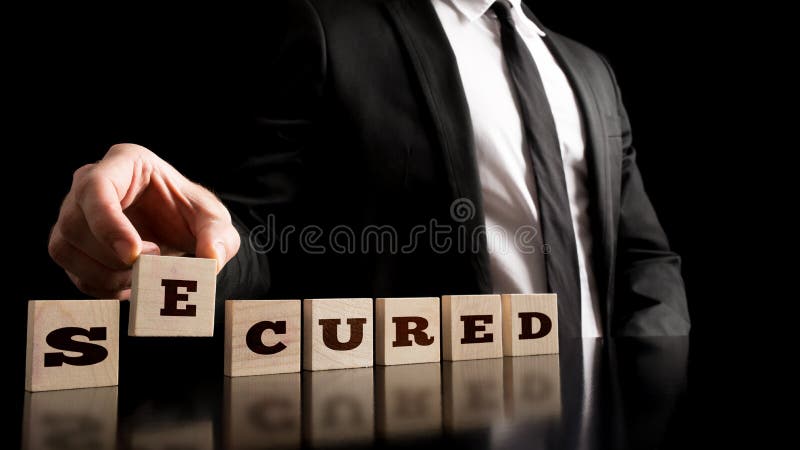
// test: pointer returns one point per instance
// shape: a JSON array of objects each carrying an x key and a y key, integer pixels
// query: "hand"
[{"x": 133, "y": 202}]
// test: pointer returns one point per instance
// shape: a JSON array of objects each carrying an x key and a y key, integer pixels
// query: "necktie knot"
[{"x": 502, "y": 11}]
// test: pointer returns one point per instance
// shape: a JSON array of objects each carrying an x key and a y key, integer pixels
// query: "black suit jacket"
[{"x": 362, "y": 121}]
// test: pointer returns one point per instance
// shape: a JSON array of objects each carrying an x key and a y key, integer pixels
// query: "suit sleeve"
[
  {"x": 650, "y": 298},
  {"x": 265, "y": 168}
]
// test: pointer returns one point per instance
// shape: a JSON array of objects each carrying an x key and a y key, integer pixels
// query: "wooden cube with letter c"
[
  {"x": 530, "y": 324},
  {"x": 471, "y": 327},
  {"x": 262, "y": 337},
  {"x": 406, "y": 330},
  {"x": 172, "y": 296},
  {"x": 72, "y": 344},
  {"x": 337, "y": 333}
]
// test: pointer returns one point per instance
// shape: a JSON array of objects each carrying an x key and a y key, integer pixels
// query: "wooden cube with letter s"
[{"x": 72, "y": 344}]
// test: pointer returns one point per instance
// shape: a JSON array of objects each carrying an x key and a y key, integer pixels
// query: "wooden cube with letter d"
[{"x": 530, "y": 324}]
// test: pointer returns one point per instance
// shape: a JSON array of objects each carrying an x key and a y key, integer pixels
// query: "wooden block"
[
  {"x": 338, "y": 407},
  {"x": 172, "y": 296},
  {"x": 337, "y": 333},
  {"x": 72, "y": 344},
  {"x": 262, "y": 411},
  {"x": 407, "y": 330},
  {"x": 471, "y": 327},
  {"x": 530, "y": 324},
  {"x": 473, "y": 393},
  {"x": 409, "y": 400},
  {"x": 78, "y": 418},
  {"x": 194, "y": 434},
  {"x": 262, "y": 337},
  {"x": 532, "y": 388}
]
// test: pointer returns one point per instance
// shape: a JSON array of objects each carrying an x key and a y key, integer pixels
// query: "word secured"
[{"x": 74, "y": 343}]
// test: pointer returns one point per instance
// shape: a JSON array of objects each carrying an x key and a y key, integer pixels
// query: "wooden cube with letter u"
[
  {"x": 173, "y": 296},
  {"x": 471, "y": 327},
  {"x": 72, "y": 344},
  {"x": 337, "y": 333}
]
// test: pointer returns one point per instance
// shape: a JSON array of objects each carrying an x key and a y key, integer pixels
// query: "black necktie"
[{"x": 561, "y": 257}]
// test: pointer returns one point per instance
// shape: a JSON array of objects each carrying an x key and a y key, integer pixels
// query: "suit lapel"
[
  {"x": 436, "y": 67},
  {"x": 597, "y": 154}
]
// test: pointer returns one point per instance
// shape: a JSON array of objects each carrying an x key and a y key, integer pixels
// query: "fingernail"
[
  {"x": 123, "y": 250},
  {"x": 222, "y": 255},
  {"x": 150, "y": 248}
]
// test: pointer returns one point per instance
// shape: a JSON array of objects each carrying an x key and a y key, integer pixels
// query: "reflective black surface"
[{"x": 622, "y": 393}]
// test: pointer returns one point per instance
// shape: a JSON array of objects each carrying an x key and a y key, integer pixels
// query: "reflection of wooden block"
[
  {"x": 173, "y": 434},
  {"x": 337, "y": 333},
  {"x": 409, "y": 400},
  {"x": 262, "y": 411},
  {"x": 533, "y": 388},
  {"x": 172, "y": 296},
  {"x": 406, "y": 330},
  {"x": 471, "y": 327},
  {"x": 262, "y": 337},
  {"x": 72, "y": 344},
  {"x": 530, "y": 324},
  {"x": 473, "y": 393},
  {"x": 81, "y": 418},
  {"x": 338, "y": 407}
]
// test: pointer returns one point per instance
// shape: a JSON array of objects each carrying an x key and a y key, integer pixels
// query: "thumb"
[{"x": 216, "y": 239}]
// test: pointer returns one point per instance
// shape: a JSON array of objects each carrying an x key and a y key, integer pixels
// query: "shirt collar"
[{"x": 474, "y": 9}]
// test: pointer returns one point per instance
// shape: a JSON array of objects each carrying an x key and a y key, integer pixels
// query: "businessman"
[{"x": 404, "y": 148}]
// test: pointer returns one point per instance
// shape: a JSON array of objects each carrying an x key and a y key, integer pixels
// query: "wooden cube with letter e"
[
  {"x": 262, "y": 337},
  {"x": 337, "y": 333},
  {"x": 72, "y": 344},
  {"x": 471, "y": 327},
  {"x": 530, "y": 324},
  {"x": 406, "y": 330},
  {"x": 173, "y": 296}
]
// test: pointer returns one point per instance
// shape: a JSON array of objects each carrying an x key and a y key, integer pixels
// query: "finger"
[
  {"x": 217, "y": 239},
  {"x": 100, "y": 201},
  {"x": 73, "y": 228},
  {"x": 88, "y": 271},
  {"x": 97, "y": 292}
]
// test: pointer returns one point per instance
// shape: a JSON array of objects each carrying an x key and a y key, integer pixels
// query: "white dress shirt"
[{"x": 507, "y": 177}]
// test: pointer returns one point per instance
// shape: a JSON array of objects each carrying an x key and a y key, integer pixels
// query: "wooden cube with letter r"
[
  {"x": 406, "y": 330},
  {"x": 173, "y": 296}
]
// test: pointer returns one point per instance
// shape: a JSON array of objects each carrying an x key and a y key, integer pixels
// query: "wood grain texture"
[
  {"x": 191, "y": 315},
  {"x": 76, "y": 418},
  {"x": 339, "y": 407},
  {"x": 251, "y": 317},
  {"x": 473, "y": 393},
  {"x": 47, "y": 316},
  {"x": 418, "y": 345},
  {"x": 262, "y": 412},
  {"x": 530, "y": 324},
  {"x": 475, "y": 318},
  {"x": 325, "y": 326},
  {"x": 409, "y": 400}
]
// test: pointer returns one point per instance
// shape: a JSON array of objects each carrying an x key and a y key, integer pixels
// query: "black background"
[{"x": 174, "y": 83}]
